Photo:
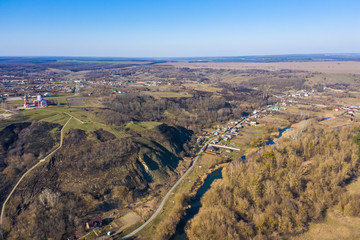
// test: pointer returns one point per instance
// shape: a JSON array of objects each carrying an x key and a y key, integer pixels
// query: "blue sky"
[{"x": 182, "y": 28}]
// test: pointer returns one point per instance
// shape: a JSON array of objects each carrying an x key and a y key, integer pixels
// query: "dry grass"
[
  {"x": 354, "y": 188},
  {"x": 307, "y": 110},
  {"x": 333, "y": 78},
  {"x": 168, "y": 94},
  {"x": 246, "y": 135},
  {"x": 6, "y": 115},
  {"x": 325, "y": 67},
  {"x": 202, "y": 87},
  {"x": 275, "y": 121},
  {"x": 128, "y": 220},
  {"x": 336, "y": 122},
  {"x": 336, "y": 225}
]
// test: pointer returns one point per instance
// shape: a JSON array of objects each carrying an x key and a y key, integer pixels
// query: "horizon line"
[{"x": 212, "y": 56}]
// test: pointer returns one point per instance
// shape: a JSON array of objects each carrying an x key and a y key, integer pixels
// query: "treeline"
[
  {"x": 166, "y": 228},
  {"x": 278, "y": 191},
  {"x": 265, "y": 85},
  {"x": 194, "y": 113}
]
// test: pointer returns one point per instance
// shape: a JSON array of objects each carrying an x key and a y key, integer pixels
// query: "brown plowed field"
[{"x": 325, "y": 67}]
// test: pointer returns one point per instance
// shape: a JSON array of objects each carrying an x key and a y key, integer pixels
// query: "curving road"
[
  {"x": 168, "y": 194},
  {"x": 33, "y": 167}
]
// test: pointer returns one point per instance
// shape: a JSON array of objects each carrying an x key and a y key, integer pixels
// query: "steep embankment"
[
  {"x": 21, "y": 145},
  {"x": 93, "y": 173}
]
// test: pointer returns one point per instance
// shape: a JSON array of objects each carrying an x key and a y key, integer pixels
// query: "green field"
[
  {"x": 93, "y": 126},
  {"x": 142, "y": 126},
  {"x": 60, "y": 114}
]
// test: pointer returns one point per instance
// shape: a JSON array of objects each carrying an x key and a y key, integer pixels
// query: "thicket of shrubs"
[
  {"x": 192, "y": 113},
  {"x": 277, "y": 192},
  {"x": 21, "y": 145}
]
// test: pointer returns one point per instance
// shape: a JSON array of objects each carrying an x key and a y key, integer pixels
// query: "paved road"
[
  {"x": 168, "y": 194},
  {"x": 41, "y": 161}
]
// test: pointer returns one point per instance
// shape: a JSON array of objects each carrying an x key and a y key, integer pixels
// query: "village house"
[
  {"x": 274, "y": 108},
  {"x": 212, "y": 149},
  {"x": 199, "y": 140},
  {"x": 234, "y": 131},
  {"x": 226, "y": 137},
  {"x": 96, "y": 222},
  {"x": 253, "y": 123}
]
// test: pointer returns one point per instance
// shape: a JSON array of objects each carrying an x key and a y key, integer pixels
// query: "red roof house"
[{"x": 97, "y": 222}]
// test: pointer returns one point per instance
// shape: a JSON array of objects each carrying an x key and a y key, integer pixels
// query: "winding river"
[
  {"x": 281, "y": 131},
  {"x": 195, "y": 205}
]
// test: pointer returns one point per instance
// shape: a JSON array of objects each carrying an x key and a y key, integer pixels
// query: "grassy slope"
[
  {"x": 332, "y": 78},
  {"x": 57, "y": 114},
  {"x": 203, "y": 87},
  {"x": 92, "y": 126},
  {"x": 141, "y": 126}
]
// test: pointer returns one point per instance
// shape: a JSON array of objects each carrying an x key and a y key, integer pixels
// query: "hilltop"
[{"x": 91, "y": 174}]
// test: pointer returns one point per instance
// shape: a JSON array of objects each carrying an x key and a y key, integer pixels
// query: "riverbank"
[
  {"x": 195, "y": 204},
  {"x": 194, "y": 181},
  {"x": 200, "y": 187},
  {"x": 202, "y": 168}
]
